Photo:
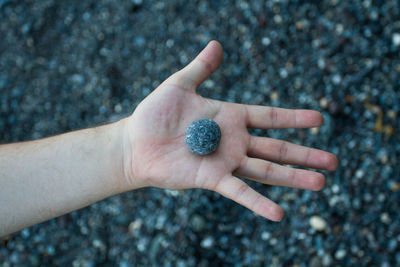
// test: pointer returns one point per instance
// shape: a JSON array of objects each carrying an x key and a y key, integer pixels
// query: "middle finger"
[
  {"x": 274, "y": 174},
  {"x": 288, "y": 153}
]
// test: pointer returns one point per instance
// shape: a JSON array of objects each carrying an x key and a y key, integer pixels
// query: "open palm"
[{"x": 156, "y": 153}]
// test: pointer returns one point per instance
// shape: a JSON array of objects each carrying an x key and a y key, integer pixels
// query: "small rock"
[
  {"x": 139, "y": 41},
  {"x": 321, "y": 63},
  {"x": 172, "y": 193},
  {"x": 25, "y": 233},
  {"x": 300, "y": 25},
  {"x": 50, "y": 250},
  {"x": 135, "y": 226},
  {"x": 207, "y": 242},
  {"x": 118, "y": 108},
  {"x": 273, "y": 241},
  {"x": 336, "y": 79},
  {"x": 142, "y": 244},
  {"x": 384, "y": 159},
  {"x": 160, "y": 222},
  {"x": 277, "y": 19},
  {"x": 391, "y": 114},
  {"x": 238, "y": 230},
  {"x": 318, "y": 223},
  {"x": 198, "y": 223},
  {"x": 359, "y": 174},
  {"x": 155, "y": 245},
  {"x": 340, "y": 254},
  {"x": 274, "y": 96},
  {"x": 323, "y": 102},
  {"x": 326, "y": 260},
  {"x": 170, "y": 43},
  {"x": 209, "y": 84},
  {"x": 335, "y": 189},
  {"x": 385, "y": 218},
  {"x": 283, "y": 73},
  {"x": 265, "y": 235},
  {"x": 396, "y": 39},
  {"x": 266, "y": 41},
  {"x": 203, "y": 136},
  {"x": 78, "y": 79},
  {"x": 314, "y": 130},
  {"x": 99, "y": 244},
  {"x": 394, "y": 186}
]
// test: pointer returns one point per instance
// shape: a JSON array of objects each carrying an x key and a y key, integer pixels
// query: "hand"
[{"x": 156, "y": 153}]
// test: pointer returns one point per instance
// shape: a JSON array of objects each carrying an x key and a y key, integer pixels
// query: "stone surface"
[{"x": 203, "y": 136}]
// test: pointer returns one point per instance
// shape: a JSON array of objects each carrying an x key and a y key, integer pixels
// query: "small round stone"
[
  {"x": 318, "y": 223},
  {"x": 203, "y": 136}
]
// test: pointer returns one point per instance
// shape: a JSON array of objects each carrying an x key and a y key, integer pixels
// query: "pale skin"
[{"x": 43, "y": 179}]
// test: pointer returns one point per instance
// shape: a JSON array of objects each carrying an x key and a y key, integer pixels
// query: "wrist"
[
  {"x": 110, "y": 137},
  {"x": 128, "y": 177}
]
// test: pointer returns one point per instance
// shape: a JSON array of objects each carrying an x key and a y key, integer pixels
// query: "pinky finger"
[{"x": 238, "y": 191}]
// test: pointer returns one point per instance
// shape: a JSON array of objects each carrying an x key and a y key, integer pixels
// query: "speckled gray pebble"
[{"x": 203, "y": 136}]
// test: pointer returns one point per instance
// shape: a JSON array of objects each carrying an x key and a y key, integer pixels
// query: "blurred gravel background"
[{"x": 66, "y": 65}]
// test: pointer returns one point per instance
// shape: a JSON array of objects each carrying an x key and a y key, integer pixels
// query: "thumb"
[{"x": 197, "y": 71}]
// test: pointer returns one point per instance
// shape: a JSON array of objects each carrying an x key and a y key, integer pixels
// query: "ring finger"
[
  {"x": 274, "y": 174},
  {"x": 288, "y": 153}
]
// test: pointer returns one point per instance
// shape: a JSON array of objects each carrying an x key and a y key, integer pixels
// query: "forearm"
[{"x": 43, "y": 179}]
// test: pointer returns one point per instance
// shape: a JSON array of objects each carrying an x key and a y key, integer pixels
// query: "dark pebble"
[{"x": 203, "y": 136}]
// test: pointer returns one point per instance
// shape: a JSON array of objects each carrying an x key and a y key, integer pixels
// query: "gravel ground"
[{"x": 66, "y": 65}]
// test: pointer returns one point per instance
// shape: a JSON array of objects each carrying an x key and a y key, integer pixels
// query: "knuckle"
[
  {"x": 283, "y": 150},
  {"x": 269, "y": 170},
  {"x": 273, "y": 115},
  {"x": 241, "y": 190},
  {"x": 308, "y": 155},
  {"x": 181, "y": 80},
  {"x": 206, "y": 65},
  {"x": 256, "y": 203}
]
